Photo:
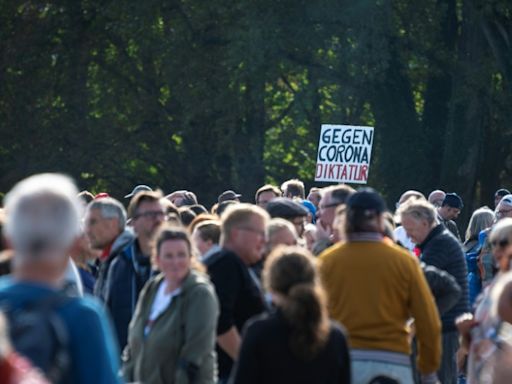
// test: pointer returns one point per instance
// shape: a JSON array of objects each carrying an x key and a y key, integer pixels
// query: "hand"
[
  {"x": 460, "y": 356},
  {"x": 465, "y": 323}
]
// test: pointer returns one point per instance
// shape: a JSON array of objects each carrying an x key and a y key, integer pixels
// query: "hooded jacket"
[
  {"x": 101, "y": 286},
  {"x": 180, "y": 348},
  {"x": 107, "y": 289}
]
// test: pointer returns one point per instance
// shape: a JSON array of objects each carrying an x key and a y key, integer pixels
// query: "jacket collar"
[
  {"x": 433, "y": 233},
  {"x": 365, "y": 236},
  {"x": 122, "y": 240},
  {"x": 193, "y": 278}
]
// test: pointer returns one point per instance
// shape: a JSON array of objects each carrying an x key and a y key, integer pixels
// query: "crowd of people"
[{"x": 328, "y": 287}]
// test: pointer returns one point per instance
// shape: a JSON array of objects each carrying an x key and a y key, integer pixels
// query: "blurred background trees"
[{"x": 183, "y": 94}]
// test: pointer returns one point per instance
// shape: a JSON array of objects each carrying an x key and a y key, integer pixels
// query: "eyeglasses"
[
  {"x": 500, "y": 243},
  {"x": 504, "y": 212},
  {"x": 254, "y": 230},
  {"x": 150, "y": 214}
]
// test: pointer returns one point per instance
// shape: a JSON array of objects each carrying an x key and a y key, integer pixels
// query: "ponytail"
[
  {"x": 304, "y": 310},
  {"x": 291, "y": 273}
]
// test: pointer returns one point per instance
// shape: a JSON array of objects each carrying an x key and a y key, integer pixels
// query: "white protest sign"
[{"x": 344, "y": 154}]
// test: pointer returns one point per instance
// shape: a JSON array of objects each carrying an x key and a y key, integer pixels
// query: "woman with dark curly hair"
[{"x": 297, "y": 343}]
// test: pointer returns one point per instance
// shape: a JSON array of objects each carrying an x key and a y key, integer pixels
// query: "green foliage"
[{"x": 206, "y": 96}]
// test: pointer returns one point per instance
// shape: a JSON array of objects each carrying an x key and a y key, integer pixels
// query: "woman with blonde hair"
[
  {"x": 481, "y": 219},
  {"x": 172, "y": 333},
  {"x": 297, "y": 343}
]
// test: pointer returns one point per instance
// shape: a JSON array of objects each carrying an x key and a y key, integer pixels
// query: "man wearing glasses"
[
  {"x": 243, "y": 238},
  {"x": 132, "y": 269},
  {"x": 331, "y": 197},
  {"x": 125, "y": 266},
  {"x": 290, "y": 210}
]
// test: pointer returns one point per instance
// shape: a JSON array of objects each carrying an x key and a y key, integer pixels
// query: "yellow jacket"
[{"x": 373, "y": 288}]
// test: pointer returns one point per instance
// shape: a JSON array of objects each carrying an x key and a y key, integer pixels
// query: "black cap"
[
  {"x": 228, "y": 195},
  {"x": 285, "y": 208},
  {"x": 453, "y": 200},
  {"x": 137, "y": 189},
  {"x": 367, "y": 199},
  {"x": 501, "y": 192}
]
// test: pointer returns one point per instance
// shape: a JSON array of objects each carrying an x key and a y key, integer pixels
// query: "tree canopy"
[{"x": 211, "y": 95}]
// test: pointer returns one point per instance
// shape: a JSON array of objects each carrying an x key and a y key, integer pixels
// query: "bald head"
[
  {"x": 410, "y": 194},
  {"x": 436, "y": 198}
]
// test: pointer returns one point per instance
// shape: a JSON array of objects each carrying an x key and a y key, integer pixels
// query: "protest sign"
[{"x": 344, "y": 154}]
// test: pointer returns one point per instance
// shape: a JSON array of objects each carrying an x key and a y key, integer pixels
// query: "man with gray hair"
[
  {"x": 105, "y": 227},
  {"x": 42, "y": 225},
  {"x": 442, "y": 250},
  {"x": 436, "y": 198},
  {"x": 331, "y": 197},
  {"x": 280, "y": 232}
]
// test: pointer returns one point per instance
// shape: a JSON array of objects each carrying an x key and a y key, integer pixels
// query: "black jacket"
[
  {"x": 443, "y": 286},
  {"x": 239, "y": 296},
  {"x": 442, "y": 250},
  {"x": 266, "y": 357},
  {"x": 121, "y": 278}
]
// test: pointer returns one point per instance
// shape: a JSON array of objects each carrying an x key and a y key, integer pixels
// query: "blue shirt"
[{"x": 93, "y": 352}]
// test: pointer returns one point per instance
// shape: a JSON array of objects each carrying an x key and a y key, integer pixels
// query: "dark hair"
[
  {"x": 198, "y": 209},
  {"x": 169, "y": 232},
  {"x": 362, "y": 220},
  {"x": 186, "y": 215},
  {"x": 221, "y": 207},
  {"x": 383, "y": 379},
  {"x": 86, "y": 197},
  {"x": 291, "y": 272},
  {"x": 209, "y": 230},
  {"x": 141, "y": 197},
  {"x": 293, "y": 188},
  {"x": 339, "y": 193}
]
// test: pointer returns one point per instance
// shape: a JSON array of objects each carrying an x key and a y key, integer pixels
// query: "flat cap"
[{"x": 285, "y": 208}]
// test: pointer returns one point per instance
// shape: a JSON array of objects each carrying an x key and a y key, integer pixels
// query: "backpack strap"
[{"x": 48, "y": 307}]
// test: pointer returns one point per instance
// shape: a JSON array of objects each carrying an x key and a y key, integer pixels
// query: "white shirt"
[
  {"x": 405, "y": 240},
  {"x": 160, "y": 304}
]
